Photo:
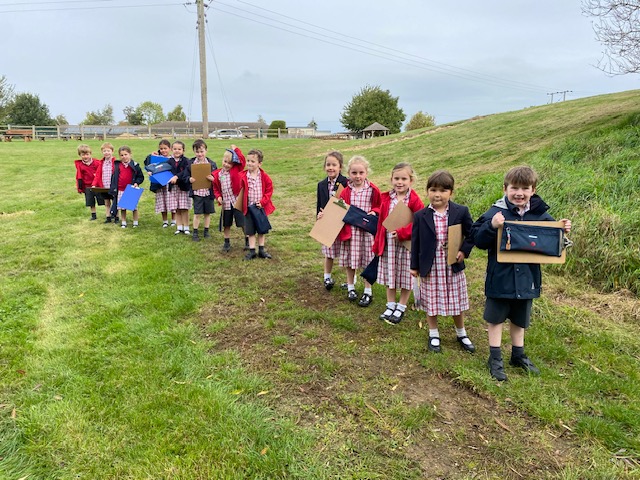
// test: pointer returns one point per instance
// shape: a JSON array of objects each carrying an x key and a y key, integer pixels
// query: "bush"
[{"x": 273, "y": 128}]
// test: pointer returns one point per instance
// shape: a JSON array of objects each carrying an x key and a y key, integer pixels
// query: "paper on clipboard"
[
  {"x": 239, "y": 205},
  {"x": 326, "y": 229},
  {"x": 529, "y": 257},
  {"x": 400, "y": 216},
  {"x": 200, "y": 172},
  {"x": 454, "y": 242}
]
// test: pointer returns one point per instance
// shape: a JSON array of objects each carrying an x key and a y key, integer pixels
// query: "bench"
[{"x": 27, "y": 134}]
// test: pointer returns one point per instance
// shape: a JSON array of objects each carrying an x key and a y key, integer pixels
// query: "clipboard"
[
  {"x": 157, "y": 159},
  {"x": 130, "y": 198},
  {"x": 326, "y": 229},
  {"x": 528, "y": 257},
  {"x": 400, "y": 216},
  {"x": 239, "y": 205},
  {"x": 454, "y": 242},
  {"x": 99, "y": 190},
  {"x": 199, "y": 172},
  {"x": 161, "y": 177}
]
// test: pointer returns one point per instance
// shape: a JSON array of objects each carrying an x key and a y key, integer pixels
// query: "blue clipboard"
[
  {"x": 130, "y": 198},
  {"x": 161, "y": 177},
  {"x": 157, "y": 159}
]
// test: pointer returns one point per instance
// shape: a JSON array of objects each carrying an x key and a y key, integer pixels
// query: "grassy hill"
[{"x": 140, "y": 354}]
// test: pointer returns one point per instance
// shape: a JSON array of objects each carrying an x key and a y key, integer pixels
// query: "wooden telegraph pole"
[{"x": 203, "y": 70}]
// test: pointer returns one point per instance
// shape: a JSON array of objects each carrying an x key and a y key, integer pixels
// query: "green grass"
[{"x": 136, "y": 354}]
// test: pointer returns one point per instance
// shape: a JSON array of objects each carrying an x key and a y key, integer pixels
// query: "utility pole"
[{"x": 203, "y": 69}]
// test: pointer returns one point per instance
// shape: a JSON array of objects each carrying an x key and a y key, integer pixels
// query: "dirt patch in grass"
[{"x": 333, "y": 377}]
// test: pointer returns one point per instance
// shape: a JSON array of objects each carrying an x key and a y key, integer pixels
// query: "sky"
[{"x": 298, "y": 60}]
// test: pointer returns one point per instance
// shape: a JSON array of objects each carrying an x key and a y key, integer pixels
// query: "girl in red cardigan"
[
  {"x": 395, "y": 257},
  {"x": 357, "y": 244}
]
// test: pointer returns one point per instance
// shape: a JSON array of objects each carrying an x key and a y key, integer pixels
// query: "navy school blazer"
[
  {"x": 423, "y": 237},
  {"x": 323, "y": 190}
]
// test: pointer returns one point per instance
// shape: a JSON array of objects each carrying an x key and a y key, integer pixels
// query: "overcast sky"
[{"x": 295, "y": 60}]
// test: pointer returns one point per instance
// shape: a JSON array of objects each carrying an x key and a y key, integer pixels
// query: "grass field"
[{"x": 130, "y": 354}]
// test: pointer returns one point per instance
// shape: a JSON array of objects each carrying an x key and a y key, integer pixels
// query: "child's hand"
[
  {"x": 372, "y": 213},
  {"x": 191, "y": 179},
  {"x": 173, "y": 180},
  {"x": 233, "y": 147},
  {"x": 219, "y": 199},
  {"x": 210, "y": 178},
  {"x": 414, "y": 273},
  {"x": 320, "y": 214},
  {"x": 567, "y": 225},
  {"x": 497, "y": 220},
  {"x": 459, "y": 257},
  {"x": 258, "y": 204},
  {"x": 394, "y": 234},
  {"x": 135, "y": 185}
]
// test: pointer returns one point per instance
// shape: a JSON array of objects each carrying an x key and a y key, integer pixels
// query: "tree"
[
  {"x": 273, "y": 128},
  {"x": 150, "y": 112},
  {"x": 617, "y": 30},
  {"x": 132, "y": 116},
  {"x": 6, "y": 97},
  {"x": 99, "y": 117},
  {"x": 61, "y": 120},
  {"x": 420, "y": 120},
  {"x": 261, "y": 122},
  {"x": 372, "y": 104},
  {"x": 312, "y": 124},
  {"x": 177, "y": 115},
  {"x": 27, "y": 109}
]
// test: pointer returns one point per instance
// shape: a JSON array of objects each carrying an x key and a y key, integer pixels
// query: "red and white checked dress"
[
  {"x": 395, "y": 262},
  {"x": 357, "y": 252},
  {"x": 182, "y": 198},
  {"x": 163, "y": 203},
  {"x": 334, "y": 250},
  {"x": 443, "y": 292}
]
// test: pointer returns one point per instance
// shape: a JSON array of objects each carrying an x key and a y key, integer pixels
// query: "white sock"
[
  {"x": 433, "y": 333},
  {"x": 462, "y": 332},
  {"x": 135, "y": 223},
  {"x": 327, "y": 276},
  {"x": 180, "y": 228},
  {"x": 401, "y": 307},
  {"x": 350, "y": 286},
  {"x": 391, "y": 306},
  {"x": 367, "y": 291}
]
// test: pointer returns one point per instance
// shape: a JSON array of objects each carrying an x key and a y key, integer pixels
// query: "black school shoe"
[
  {"x": 469, "y": 347},
  {"x": 264, "y": 254},
  {"x": 496, "y": 368},
  {"x": 432, "y": 347},
  {"x": 352, "y": 295},
  {"x": 250, "y": 256},
  {"x": 395, "y": 318},
  {"x": 329, "y": 283},
  {"x": 365, "y": 300},
  {"x": 524, "y": 363}
]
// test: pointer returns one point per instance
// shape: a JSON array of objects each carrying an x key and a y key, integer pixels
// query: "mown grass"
[{"x": 107, "y": 371}]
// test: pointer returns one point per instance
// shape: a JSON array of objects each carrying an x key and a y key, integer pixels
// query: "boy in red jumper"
[
  {"x": 85, "y": 172},
  {"x": 226, "y": 188}
]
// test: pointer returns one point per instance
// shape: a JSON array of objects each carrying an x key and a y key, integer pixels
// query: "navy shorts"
[
  {"x": 91, "y": 198},
  {"x": 497, "y": 310},
  {"x": 229, "y": 216},
  {"x": 203, "y": 205}
]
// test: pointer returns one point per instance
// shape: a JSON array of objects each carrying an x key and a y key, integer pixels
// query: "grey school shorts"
[
  {"x": 91, "y": 198},
  {"x": 203, "y": 205},
  {"x": 497, "y": 310}
]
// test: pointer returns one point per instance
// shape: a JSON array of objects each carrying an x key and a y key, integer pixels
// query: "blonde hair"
[
  {"x": 361, "y": 160},
  {"x": 402, "y": 166},
  {"x": 83, "y": 148},
  {"x": 107, "y": 145}
]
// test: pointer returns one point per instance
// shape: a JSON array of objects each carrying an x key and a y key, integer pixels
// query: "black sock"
[
  {"x": 195, "y": 231},
  {"x": 246, "y": 241},
  {"x": 227, "y": 241},
  {"x": 93, "y": 215},
  {"x": 261, "y": 248},
  {"x": 495, "y": 352},
  {"x": 252, "y": 251},
  {"x": 517, "y": 351},
  {"x": 206, "y": 229}
]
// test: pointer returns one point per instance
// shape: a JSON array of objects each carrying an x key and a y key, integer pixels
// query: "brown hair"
[
  {"x": 521, "y": 176},
  {"x": 124, "y": 148},
  {"x": 442, "y": 179},
  {"x": 337, "y": 155},
  {"x": 83, "y": 148},
  {"x": 402, "y": 166},
  {"x": 257, "y": 153},
  {"x": 164, "y": 141},
  {"x": 198, "y": 144}
]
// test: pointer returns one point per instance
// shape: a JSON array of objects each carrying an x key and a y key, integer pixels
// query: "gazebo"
[{"x": 371, "y": 130}]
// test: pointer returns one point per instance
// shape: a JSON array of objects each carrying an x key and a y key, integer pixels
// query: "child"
[
  {"x": 226, "y": 188},
  {"x": 327, "y": 188},
  {"x": 125, "y": 172},
  {"x": 86, "y": 169},
  {"x": 202, "y": 197},
  {"x": 356, "y": 250},
  {"x": 162, "y": 192},
  {"x": 258, "y": 189},
  {"x": 511, "y": 287},
  {"x": 180, "y": 185},
  {"x": 443, "y": 287},
  {"x": 103, "y": 176},
  {"x": 395, "y": 258}
]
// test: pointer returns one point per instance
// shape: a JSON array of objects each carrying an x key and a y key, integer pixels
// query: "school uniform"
[
  {"x": 326, "y": 190},
  {"x": 179, "y": 198},
  {"x": 356, "y": 250},
  {"x": 162, "y": 203},
  {"x": 85, "y": 174},
  {"x": 103, "y": 175},
  {"x": 395, "y": 259},
  {"x": 443, "y": 287},
  {"x": 202, "y": 197},
  {"x": 227, "y": 185},
  {"x": 256, "y": 189},
  {"x": 122, "y": 176}
]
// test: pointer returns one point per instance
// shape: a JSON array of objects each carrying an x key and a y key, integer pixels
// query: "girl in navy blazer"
[
  {"x": 443, "y": 287},
  {"x": 328, "y": 188}
]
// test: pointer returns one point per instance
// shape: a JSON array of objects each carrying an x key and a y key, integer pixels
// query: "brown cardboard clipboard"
[
  {"x": 528, "y": 257},
  {"x": 454, "y": 242},
  {"x": 400, "y": 216},
  {"x": 239, "y": 205},
  {"x": 200, "y": 172},
  {"x": 327, "y": 228},
  {"x": 99, "y": 190}
]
